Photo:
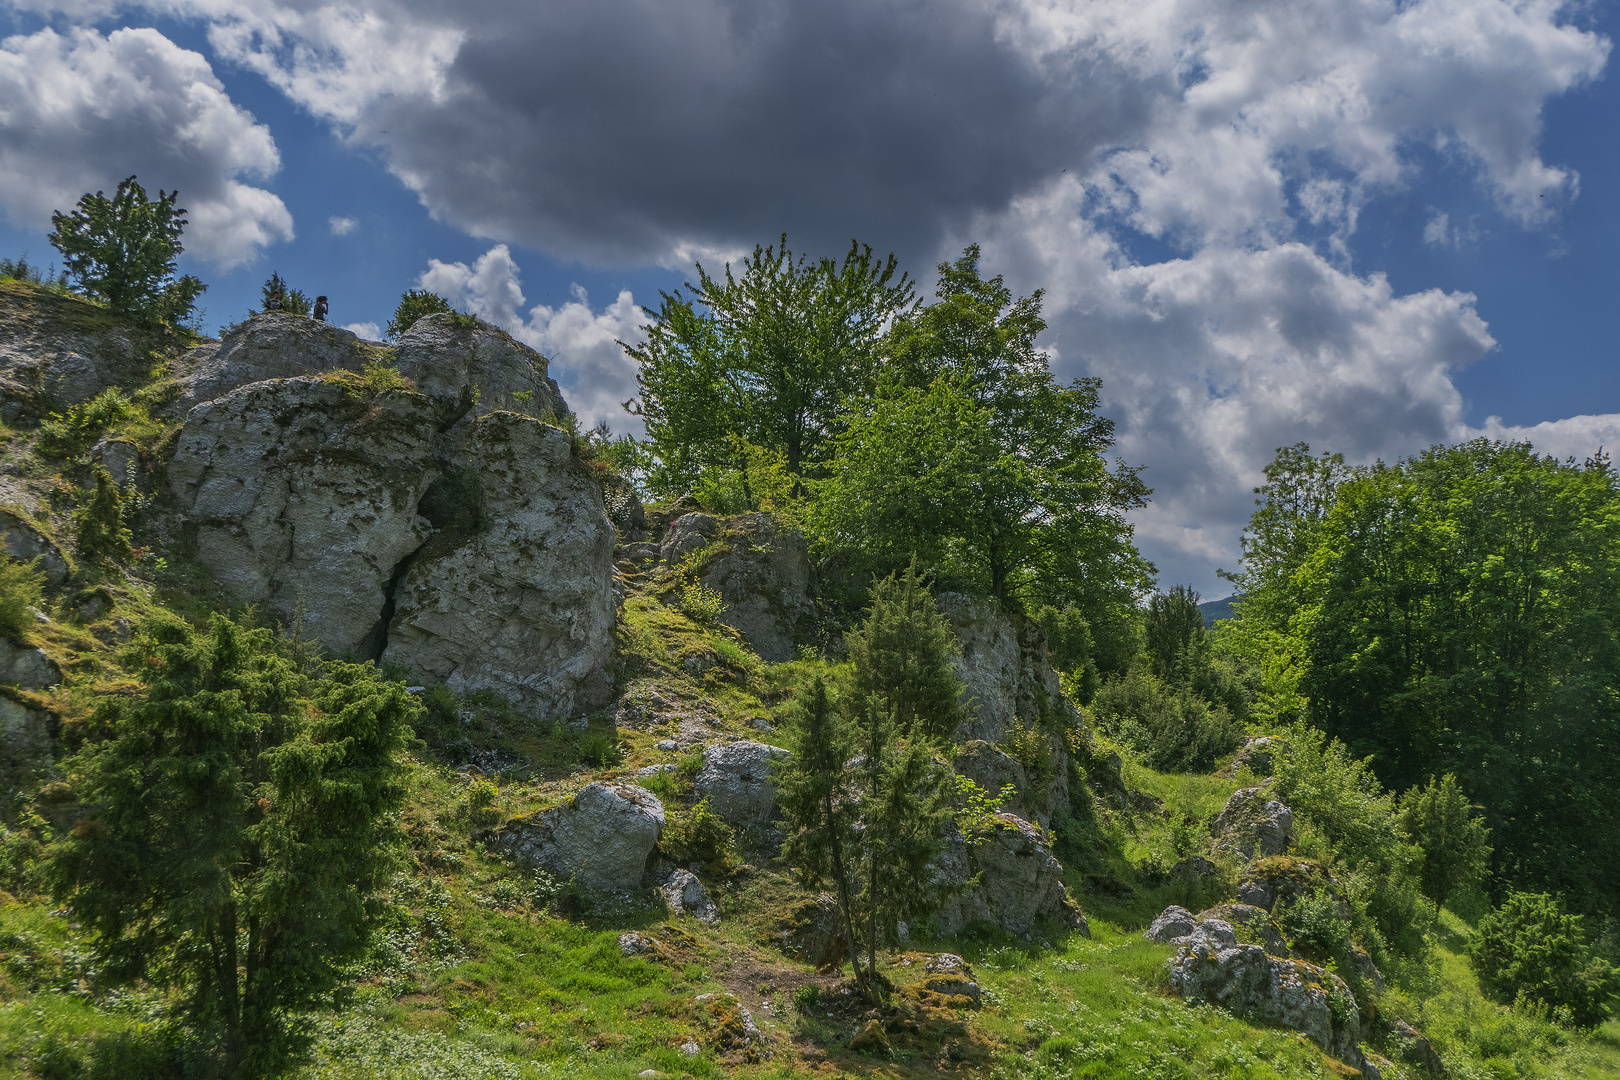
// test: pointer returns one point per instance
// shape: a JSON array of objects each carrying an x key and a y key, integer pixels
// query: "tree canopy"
[{"x": 122, "y": 251}]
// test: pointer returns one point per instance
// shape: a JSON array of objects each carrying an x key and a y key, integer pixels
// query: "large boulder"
[
  {"x": 26, "y": 667},
  {"x": 762, "y": 572},
  {"x": 302, "y": 491},
  {"x": 601, "y": 839},
  {"x": 514, "y": 593},
  {"x": 1252, "y": 923},
  {"x": 1289, "y": 993},
  {"x": 273, "y": 345},
  {"x": 474, "y": 366},
  {"x": 1253, "y": 825},
  {"x": 25, "y": 541},
  {"x": 58, "y": 351},
  {"x": 736, "y": 779},
  {"x": 686, "y": 534},
  {"x": 1283, "y": 878},
  {"x": 1178, "y": 926},
  {"x": 27, "y": 734},
  {"x": 1259, "y": 755},
  {"x": 1020, "y": 882}
]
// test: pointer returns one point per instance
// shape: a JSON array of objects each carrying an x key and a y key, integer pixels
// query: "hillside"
[{"x": 590, "y": 881}]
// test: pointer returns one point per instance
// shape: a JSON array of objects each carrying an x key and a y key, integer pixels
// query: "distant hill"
[{"x": 1217, "y": 609}]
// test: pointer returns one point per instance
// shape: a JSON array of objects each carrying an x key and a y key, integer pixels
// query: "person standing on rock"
[{"x": 319, "y": 314}]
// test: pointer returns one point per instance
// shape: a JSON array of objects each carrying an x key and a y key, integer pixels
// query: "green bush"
[
  {"x": 701, "y": 604},
  {"x": 1315, "y": 923},
  {"x": 699, "y": 835},
  {"x": 21, "y": 584},
  {"x": 1170, "y": 727},
  {"x": 100, "y": 523},
  {"x": 598, "y": 748},
  {"x": 1531, "y": 950},
  {"x": 1454, "y": 843},
  {"x": 413, "y": 305},
  {"x": 66, "y": 435},
  {"x": 807, "y": 998}
]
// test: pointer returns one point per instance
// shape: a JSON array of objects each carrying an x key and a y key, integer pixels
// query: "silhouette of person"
[{"x": 320, "y": 309}]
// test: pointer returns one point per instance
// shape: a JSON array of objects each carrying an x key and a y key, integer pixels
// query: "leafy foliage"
[
  {"x": 122, "y": 251},
  {"x": 413, "y": 305},
  {"x": 21, "y": 584},
  {"x": 236, "y": 822},
  {"x": 699, "y": 835},
  {"x": 1453, "y": 842},
  {"x": 66, "y": 435},
  {"x": 1531, "y": 948},
  {"x": 99, "y": 524},
  {"x": 1170, "y": 726}
]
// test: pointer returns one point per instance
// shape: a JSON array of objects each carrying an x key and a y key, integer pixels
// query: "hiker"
[{"x": 320, "y": 309}]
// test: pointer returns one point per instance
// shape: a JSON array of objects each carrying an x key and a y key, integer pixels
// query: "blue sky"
[{"x": 1369, "y": 226}]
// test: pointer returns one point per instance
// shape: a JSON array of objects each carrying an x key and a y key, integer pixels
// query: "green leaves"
[{"x": 122, "y": 251}]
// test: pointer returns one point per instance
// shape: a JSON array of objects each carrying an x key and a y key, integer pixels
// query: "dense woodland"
[{"x": 250, "y": 858}]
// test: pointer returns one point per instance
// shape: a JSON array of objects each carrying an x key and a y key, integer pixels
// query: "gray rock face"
[
  {"x": 478, "y": 368},
  {"x": 26, "y": 733},
  {"x": 274, "y": 345},
  {"x": 298, "y": 488},
  {"x": 1178, "y": 926},
  {"x": 27, "y": 668},
  {"x": 686, "y": 534},
  {"x": 993, "y": 769},
  {"x": 1415, "y": 1046},
  {"x": 56, "y": 352},
  {"x": 735, "y": 778},
  {"x": 601, "y": 839},
  {"x": 1253, "y": 825},
  {"x": 763, "y": 578},
  {"x": 522, "y": 604},
  {"x": 1289, "y": 993},
  {"x": 1255, "y": 922},
  {"x": 1259, "y": 755},
  {"x": 23, "y": 542},
  {"x": 1022, "y": 882},
  {"x": 685, "y": 894},
  {"x": 1004, "y": 667}
]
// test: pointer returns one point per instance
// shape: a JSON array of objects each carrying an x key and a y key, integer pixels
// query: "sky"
[{"x": 1368, "y": 226}]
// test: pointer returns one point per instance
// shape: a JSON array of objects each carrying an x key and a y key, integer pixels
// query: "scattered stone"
[
  {"x": 632, "y": 943},
  {"x": 1178, "y": 926},
  {"x": 946, "y": 963},
  {"x": 730, "y": 1025},
  {"x": 1022, "y": 882},
  {"x": 1290, "y": 993},
  {"x": 1416, "y": 1047},
  {"x": 736, "y": 781},
  {"x": 601, "y": 839},
  {"x": 654, "y": 770},
  {"x": 684, "y": 893},
  {"x": 668, "y": 746},
  {"x": 690, "y": 1048},
  {"x": 27, "y": 668},
  {"x": 1252, "y": 825},
  {"x": 764, "y": 578},
  {"x": 1259, "y": 755}
]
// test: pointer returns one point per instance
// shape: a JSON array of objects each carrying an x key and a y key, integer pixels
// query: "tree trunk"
[{"x": 843, "y": 898}]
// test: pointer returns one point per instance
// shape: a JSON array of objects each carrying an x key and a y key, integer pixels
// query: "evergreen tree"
[
  {"x": 100, "y": 523},
  {"x": 237, "y": 821},
  {"x": 122, "y": 251},
  {"x": 415, "y": 304},
  {"x": 1455, "y": 844},
  {"x": 903, "y": 657}
]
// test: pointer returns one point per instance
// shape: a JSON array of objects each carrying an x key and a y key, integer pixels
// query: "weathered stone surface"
[
  {"x": 300, "y": 489},
  {"x": 522, "y": 604},
  {"x": 1178, "y": 926},
  {"x": 815, "y": 934},
  {"x": 1253, "y": 825},
  {"x": 993, "y": 769},
  {"x": 26, "y": 667},
  {"x": 728, "y": 1025},
  {"x": 947, "y": 963},
  {"x": 1259, "y": 755},
  {"x": 763, "y": 575},
  {"x": 1004, "y": 667},
  {"x": 274, "y": 345},
  {"x": 24, "y": 542},
  {"x": 601, "y": 838},
  {"x": 685, "y": 894},
  {"x": 1022, "y": 882},
  {"x": 56, "y": 351},
  {"x": 735, "y": 778},
  {"x": 950, "y": 975},
  {"x": 117, "y": 456},
  {"x": 1289, "y": 993},
  {"x": 1279, "y": 878},
  {"x": 686, "y": 534},
  {"x": 26, "y": 733},
  {"x": 871, "y": 1039},
  {"x": 1251, "y": 922},
  {"x": 478, "y": 368},
  {"x": 632, "y": 943},
  {"x": 1414, "y": 1046}
]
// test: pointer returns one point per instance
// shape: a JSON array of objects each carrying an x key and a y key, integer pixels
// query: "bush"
[
  {"x": 1316, "y": 923},
  {"x": 1453, "y": 842},
  {"x": 21, "y": 584},
  {"x": 1530, "y": 950},
  {"x": 100, "y": 524},
  {"x": 701, "y": 604},
  {"x": 699, "y": 835},
  {"x": 1172, "y": 729},
  {"x": 598, "y": 748},
  {"x": 66, "y": 435},
  {"x": 413, "y": 305}
]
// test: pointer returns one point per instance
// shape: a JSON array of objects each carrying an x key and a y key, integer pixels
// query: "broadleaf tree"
[
  {"x": 237, "y": 823},
  {"x": 123, "y": 251}
]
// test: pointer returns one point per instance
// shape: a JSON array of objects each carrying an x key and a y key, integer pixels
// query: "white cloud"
[
  {"x": 1577, "y": 436},
  {"x": 1437, "y": 233},
  {"x": 582, "y": 343},
  {"x": 369, "y": 331},
  {"x": 80, "y": 111},
  {"x": 342, "y": 226}
]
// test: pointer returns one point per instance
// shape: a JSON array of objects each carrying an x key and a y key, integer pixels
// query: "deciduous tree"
[{"x": 122, "y": 251}]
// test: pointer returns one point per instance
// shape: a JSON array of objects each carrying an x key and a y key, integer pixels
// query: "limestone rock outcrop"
[
  {"x": 273, "y": 345},
  {"x": 57, "y": 351},
  {"x": 1250, "y": 922},
  {"x": 736, "y": 780},
  {"x": 27, "y": 734},
  {"x": 516, "y": 595},
  {"x": 475, "y": 366},
  {"x": 1253, "y": 825},
  {"x": 686, "y": 534},
  {"x": 685, "y": 894},
  {"x": 763, "y": 575},
  {"x": 1020, "y": 881},
  {"x": 601, "y": 839},
  {"x": 993, "y": 770},
  {"x": 1003, "y": 666},
  {"x": 24, "y": 542},
  {"x": 1289, "y": 993},
  {"x": 26, "y": 667}
]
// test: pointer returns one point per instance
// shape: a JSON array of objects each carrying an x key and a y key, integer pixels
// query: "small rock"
[
  {"x": 736, "y": 780},
  {"x": 946, "y": 963},
  {"x": 634, "y": 944},
  {"x": 690, "y": 1048},
  {"x": 1415, "y": 1046},
  {"x": 668, "y": 746},
  {"x": 648, "y": 1074},
  {"x": 1252, "y": 825},
  {"x": 683, "y": 892},
  {"x": 687, "y": 534},
  {"x": 1173, "y": 923},
  {"x": 27, "y": 668},
  {"x": 871, "y": 1039}
]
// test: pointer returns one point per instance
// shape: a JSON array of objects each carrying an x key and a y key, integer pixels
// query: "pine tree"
[
  {"x": 903, "y": 655},
  {"x": 100, "y": 524},
  {"x": 122, "y": 251},
  {"x": 1455, "y": 844}
]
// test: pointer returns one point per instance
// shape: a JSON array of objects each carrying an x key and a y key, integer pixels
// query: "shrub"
[
  {"x": 1453, "y": 842},
  {"x": 21, "y": 584},
  {"x": 65, "y": 435},
  {"x": 1315, "y": 922},
  {"x": 100, "y": 524},
  {"x": 413, "y": 305},
  {"x": 807, "y": 998},
  {"x": 598, "y": 748},
  {"x": 699, "y": 835},
  {"x": 481, "y": 796},
  {"x": 1171, "y": 728},
  {"x": 1530, "y": 950},
  {"x": 701, "y": 604}
]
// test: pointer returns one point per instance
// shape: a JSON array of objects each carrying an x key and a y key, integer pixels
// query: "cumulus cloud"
[
  {"x": 80, "y": 111},
  {"x": 341, "y": 226},
  {"x": 581, "y": 342},
  {"x": 368, "y": 331},
  {"x": 1579, "y": 437}
]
